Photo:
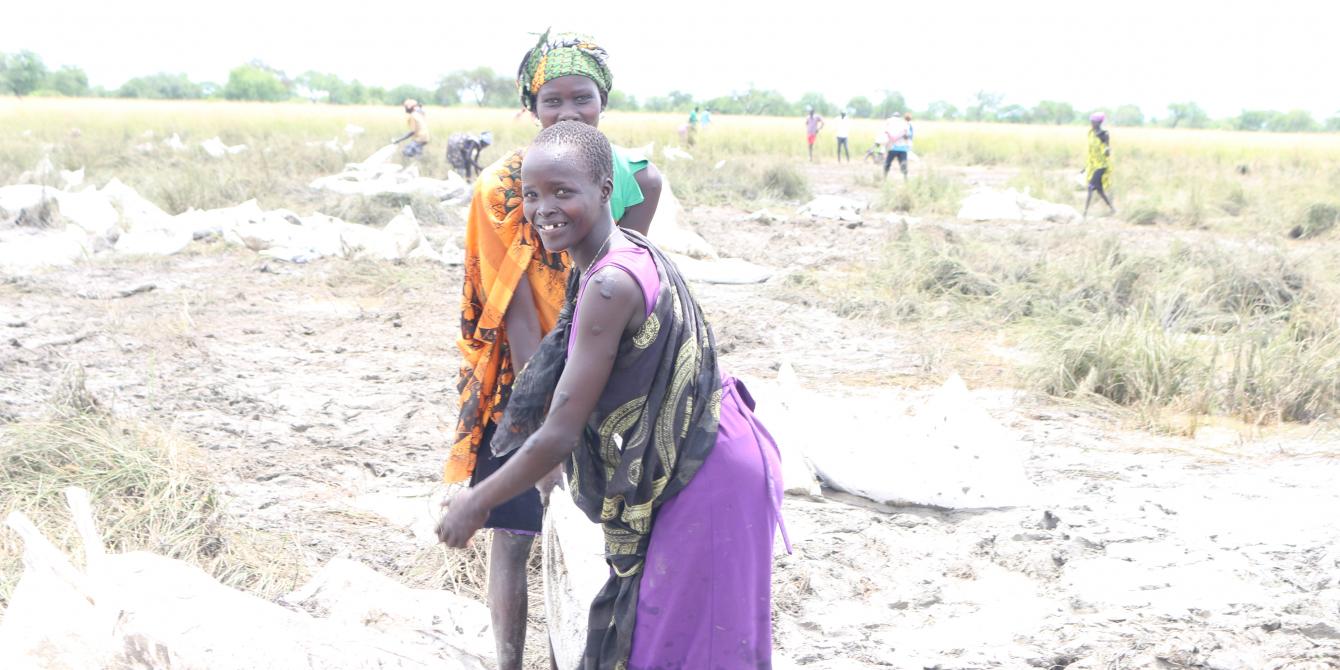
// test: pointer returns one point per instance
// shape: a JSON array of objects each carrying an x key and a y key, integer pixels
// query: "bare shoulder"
[
  {"x": 649, "y": 177},
  {"x": 611, "y": 299},
  {"x": 610, "y": 283}
]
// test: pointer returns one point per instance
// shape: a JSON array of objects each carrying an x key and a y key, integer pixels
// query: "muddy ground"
[{"x": 322, "y": 394}]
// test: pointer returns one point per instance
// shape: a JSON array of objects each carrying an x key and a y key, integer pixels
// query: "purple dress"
[{"x": 706, "y": 598}]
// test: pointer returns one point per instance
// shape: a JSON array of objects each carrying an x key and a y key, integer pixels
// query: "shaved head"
[{"x": 587, "y": 145}]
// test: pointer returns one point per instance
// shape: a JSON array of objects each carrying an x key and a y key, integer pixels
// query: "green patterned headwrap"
[{"x": 564, "y": 54}]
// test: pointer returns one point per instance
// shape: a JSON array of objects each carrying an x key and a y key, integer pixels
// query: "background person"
[
  {"x": 843, "y": 131},
  {"x": 463, "y": 151},
  {"x": 813, "y": 124},
  {"x": 899, "y": 132},
  {"x": 418, "y": 129},
  {"x": 1098, "y": 162}
]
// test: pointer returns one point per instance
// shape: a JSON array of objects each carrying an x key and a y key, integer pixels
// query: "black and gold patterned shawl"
[{"x": 653, "y": 427}]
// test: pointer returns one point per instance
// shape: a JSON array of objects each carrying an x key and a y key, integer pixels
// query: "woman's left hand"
[{"x": 463, "y": 517}]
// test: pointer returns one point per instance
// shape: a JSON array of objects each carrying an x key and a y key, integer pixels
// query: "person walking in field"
[
  {"x": 813, "y": 124},
  {"x": 843, "y": 132},
  {"x": 693, "y": 127},
  {"x": 899, "y": 133},
  {"x": 1098, "y": 163},
  {"x": 513, "y": 290},
  {"x": 418, "y": 129},
  {"x": 463, "y": 151}
]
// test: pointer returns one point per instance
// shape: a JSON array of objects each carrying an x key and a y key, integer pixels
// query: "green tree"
[
  {"x": 486, "y": 88},
  {"x": 358, "y": 94},
  {"x": 398, "y": 94},
  {"x": 1186, "y": 115},
  {"x": 724, "y": 104},
  {"x": 941, "y": 109},
  {"x": 1333, "y": 124},
  {"x": 68, "y": 80},
  {"x": 861, "y": 107},
  {"x": 821, "y": 105},
  {"x": 893, "y": 103},
  {"x": 1128, "y": 116},
  {"x": 622, "y": 101},
  {"x": 1252, "y": 119},
  {"x": 1293, "y": 121},
  {"x": 1014, "y": 114},
  {"x": 449, "y": 89},
  {"x": 763, "y": 102},
  {"x": 1053, "y": 112},
  {"x": 680, "y": 101},
  {"x": 985, "y": 106},
  {"x": 254, "y": 82},
  {"x": 161, "y": 86},
  {"x": 21, "y": 73},
  {"x": 317, "y": 86}
]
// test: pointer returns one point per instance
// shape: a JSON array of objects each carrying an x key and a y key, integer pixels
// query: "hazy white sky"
[{"x": 1225, "y": 55}]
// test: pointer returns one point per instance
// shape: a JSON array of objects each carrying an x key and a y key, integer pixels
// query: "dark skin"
[
  {"x": 571, "y": 210},
  {"x": 472, "y": 160},
  {"x": 569, "y": 98},
  {"x": 402, "y": 138}
]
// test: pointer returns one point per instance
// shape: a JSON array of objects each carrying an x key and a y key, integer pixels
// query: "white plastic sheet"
[{"x": 574, "y": 570}]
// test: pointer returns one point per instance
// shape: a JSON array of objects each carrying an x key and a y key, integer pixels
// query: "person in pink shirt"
[{"x": 813, "y": 124}]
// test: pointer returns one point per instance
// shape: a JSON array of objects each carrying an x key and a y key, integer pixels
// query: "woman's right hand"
[{"x": 462, "y": 519}]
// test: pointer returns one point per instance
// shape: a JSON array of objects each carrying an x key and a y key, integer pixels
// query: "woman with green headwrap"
[{"x": 563, "y": 77}]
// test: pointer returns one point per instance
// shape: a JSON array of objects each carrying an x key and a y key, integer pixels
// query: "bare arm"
[
  {"x": 639, "y": 216},
  {"x": 606, "y": 314},
  {"x": 522, "y": 324}
]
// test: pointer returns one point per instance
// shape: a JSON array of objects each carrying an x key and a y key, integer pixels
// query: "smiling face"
[
  {"x": 570, "y": 98},
  {"x": 560, "y": 198}
]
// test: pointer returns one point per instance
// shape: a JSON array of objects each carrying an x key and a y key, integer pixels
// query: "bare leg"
[
  {"x": 1087, "y": 201},
  {"x": 507, "y": 596},
  {"x": 1103, "y": 194}
]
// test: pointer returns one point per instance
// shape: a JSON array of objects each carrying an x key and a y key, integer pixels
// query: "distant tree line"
[{"x": 24, "y": 73}]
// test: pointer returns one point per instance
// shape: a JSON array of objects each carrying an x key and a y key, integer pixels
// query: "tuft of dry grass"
[{"x": 150, "y": 491}]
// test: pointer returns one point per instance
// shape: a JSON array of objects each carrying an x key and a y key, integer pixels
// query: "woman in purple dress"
[{"x": 660, "y": 447}]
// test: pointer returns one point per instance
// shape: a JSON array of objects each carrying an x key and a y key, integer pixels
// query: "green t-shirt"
[{"x": 626, "y": 191}]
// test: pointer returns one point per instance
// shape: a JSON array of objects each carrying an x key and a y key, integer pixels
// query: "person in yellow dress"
[{"x": 1097, "y": 168}]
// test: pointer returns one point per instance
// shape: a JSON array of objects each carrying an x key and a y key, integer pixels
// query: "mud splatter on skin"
[{"x": 560, "y": 399}]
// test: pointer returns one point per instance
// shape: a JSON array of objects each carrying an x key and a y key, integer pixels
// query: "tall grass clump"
[
  {"x": 1317, "y": 219},
  {"x": 927, "y": 193},
  {"x": 150, "y": 491},
  {"x": 741, "y": 182},
  {"x": 1204, "y": 328},
  {"x": 1130, "y": 360}
]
